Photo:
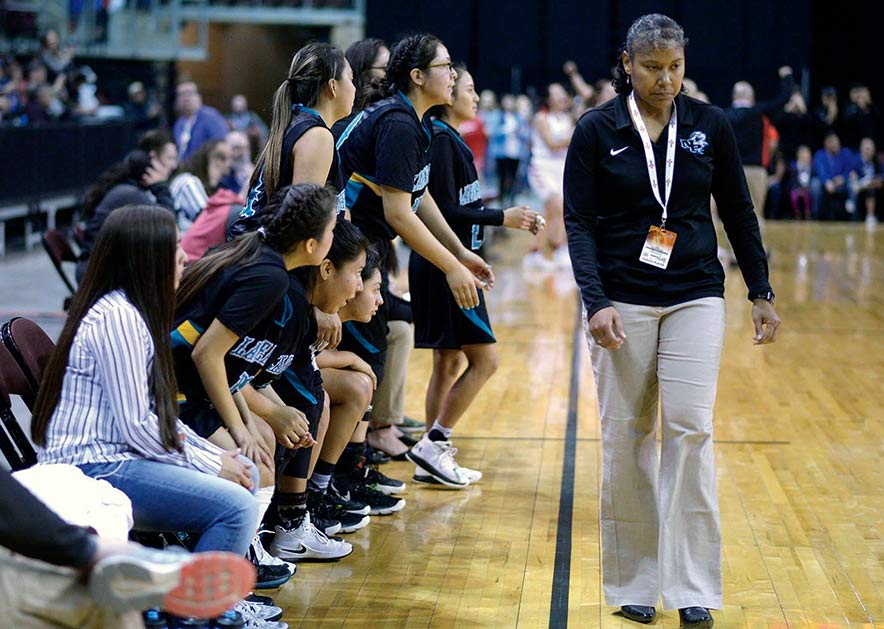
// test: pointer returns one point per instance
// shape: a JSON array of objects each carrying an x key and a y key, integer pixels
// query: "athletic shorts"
[
  {"x": 439, "y": 323},
  {"x": 201, "y": 417},
  {"x": 300, "y": 387}
]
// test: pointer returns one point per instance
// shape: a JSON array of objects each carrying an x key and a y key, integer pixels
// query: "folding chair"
[
  {"x": 60, "y": 250},
  {"x": 14, "y": 443},
  {"x": 31, "y": 348}
]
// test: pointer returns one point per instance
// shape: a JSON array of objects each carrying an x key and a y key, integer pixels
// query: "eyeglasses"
[{"x": 447, "y": 65}]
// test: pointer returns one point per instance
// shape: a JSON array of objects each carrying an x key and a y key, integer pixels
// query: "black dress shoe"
[
  {"x": 639, "y": 613},
  {"x": 695, "y": 617}
]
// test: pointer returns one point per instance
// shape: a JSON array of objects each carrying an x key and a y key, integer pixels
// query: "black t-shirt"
[
  {"x": 297, "y": 336},
  {"x": 303, "y": 119},
  {"x": 385, "y": 145},
  {"x": 252, "y": 302},
  {"x": 609, "y": 207},
  {"x": 456, "y": 189}
]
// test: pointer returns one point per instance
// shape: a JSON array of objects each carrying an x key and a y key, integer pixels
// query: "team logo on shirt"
[
  {"x": 421, "y": 179},
  {"x": 254, "y": 351},
  {"x": 281, "y": 364},
  {"x": 470, "y": 193},
  {"x": 695, "y": 143}
]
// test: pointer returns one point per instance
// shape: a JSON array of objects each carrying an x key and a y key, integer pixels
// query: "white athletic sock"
[
  {"x": 446, "y": 432},
  {"x": 264, "y": 495}
]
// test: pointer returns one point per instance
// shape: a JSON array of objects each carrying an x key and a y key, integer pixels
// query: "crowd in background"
[{"x": 822, "y": 162}]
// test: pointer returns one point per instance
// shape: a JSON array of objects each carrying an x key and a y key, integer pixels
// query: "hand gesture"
[
  {"x": 155, "y": 173},
  {"x": 520, "y": 217},
  {"x": 328, "y": 334},
  {"x": 606, "y": 328},
  {"x": 766, "y": 321},
  {"x": 249, "y": 445},
  {"x": 291, "y": 427},
  {"x": 478, "y": 266},
  {"x": 236, "y": 470}
]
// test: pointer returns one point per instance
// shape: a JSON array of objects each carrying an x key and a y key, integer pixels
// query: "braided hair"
[
  {"x": 410, "y": 52},
  {"x": 295, "y": 214},
  {"x": 312, "y": 67},
  {"x": 649, "y": 32}
]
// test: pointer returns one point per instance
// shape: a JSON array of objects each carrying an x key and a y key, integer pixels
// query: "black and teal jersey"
[
  {"x": 303, "y": 119},
  {"x": 384, "y": 145},
  {"x": 456, "y": 189},
  {"x": 250, "y": 301}
]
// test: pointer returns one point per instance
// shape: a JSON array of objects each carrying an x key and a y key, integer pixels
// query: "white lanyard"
[{"x": 649, "y": 152}]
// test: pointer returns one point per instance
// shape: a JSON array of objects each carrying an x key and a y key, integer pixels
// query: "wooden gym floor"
[{"x": 799, "y": 453}]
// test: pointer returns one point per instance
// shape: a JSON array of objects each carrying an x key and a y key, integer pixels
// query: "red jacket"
[{"x": 210, "y": 226}]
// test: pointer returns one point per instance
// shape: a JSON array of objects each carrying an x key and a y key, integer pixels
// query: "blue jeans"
[{"x": 171, "y": 498}]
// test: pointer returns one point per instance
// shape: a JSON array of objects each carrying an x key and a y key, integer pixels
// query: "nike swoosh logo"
[
  {"x": 618, "y": 151},
  {"x": 295, "y": 551}
]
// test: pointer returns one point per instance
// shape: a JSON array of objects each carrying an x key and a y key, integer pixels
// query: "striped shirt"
[
  {"x": 190, "y": 199},
  {"x": 105, "y": 412}
]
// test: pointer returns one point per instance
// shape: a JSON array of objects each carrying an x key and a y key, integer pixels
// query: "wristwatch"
[{"x": 766, "y": 295}]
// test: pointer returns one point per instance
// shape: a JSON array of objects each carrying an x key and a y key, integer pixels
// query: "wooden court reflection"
[{"x": 799, "y": 434}]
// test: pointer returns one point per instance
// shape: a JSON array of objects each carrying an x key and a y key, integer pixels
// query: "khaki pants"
[
  {"x": 388, "y": 406},
  {"x": 659, "y": 512},
  {"x": 34, "y": 595},
  {"x": 756, "y": 177}
]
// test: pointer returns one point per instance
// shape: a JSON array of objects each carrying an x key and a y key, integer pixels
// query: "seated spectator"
[
  {"x": 865, "y": 183},
  {"x": 199, "y": 178},
  {"x": 241, "y": 167},
  {"x": 138, "y": 179},
  {"x": 775, "y": 166},
  {"x": 159, "y": 145},
  {"x": 143, "y": 110},
  {"x": 107, "y": 401},
  {"x": 14, "y": 87},
  {"x": 832, "y": 166},
  {"x": 43, "y": 572},
  {"x": 241, "y": 119},
  {"x": 85, "y": 91},
  {"x": 827, "y": 117},
  {"x": 57, "y": 60},
  {"x": 197, "y": 123},
  {"x": 861, "y": 117},
  {"x": 210, "y": 227},
  {"x": 44, "y": 107},
  {"x": 800, "y": 175}
]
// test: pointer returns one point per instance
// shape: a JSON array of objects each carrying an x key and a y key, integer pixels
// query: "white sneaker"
[
  {"x": 307, "y": 542},
  {"x": 871, "y": 221},
  {"x": 436, "y": 458},
  {"x": 257, "y": 616},
  {"x": 420, "y": 476},
  {"x": 266, "y": 559}
]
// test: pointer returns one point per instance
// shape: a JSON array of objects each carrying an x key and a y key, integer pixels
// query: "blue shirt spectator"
[
  {"x": 197, "y": 123},
  {"x": 833, "y": 164}
]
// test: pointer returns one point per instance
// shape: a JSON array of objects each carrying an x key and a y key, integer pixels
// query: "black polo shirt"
[{"x": 609, "y": 206}]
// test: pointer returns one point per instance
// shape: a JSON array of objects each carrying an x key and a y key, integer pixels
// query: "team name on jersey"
[
  {"x": 241, "y": 382},
  {"x": 341, "y": 201},
  {"x": 470, "y": 193},
  {"x": 254, "y": 351},
  {"x": 421, "y": 179},
  {"x": 280, "y": 364}
]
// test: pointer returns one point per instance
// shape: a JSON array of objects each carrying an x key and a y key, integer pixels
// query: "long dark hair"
[
  {"x": 413, "y": 51},
  {"x": 312, "y": 67},
  {"x": 361, "y": 56},
  {"x": 441, "y": 111},
  {"x": 129, "y": 170},
  {"x": 134, "y": 252},
  {"x": 198, "y": 165},
  {"x": 155, "y": 140},
  {"x": 649, "y": 32},
  {"x": 296, "y": 213}
]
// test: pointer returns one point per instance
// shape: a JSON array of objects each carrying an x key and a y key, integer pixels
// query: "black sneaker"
[
  {"x": 378, "y": 502},
  {"x": 351, "y": 506},
  {"x": 376, "y": 457},
  {"x": 322, "y": 507},
  {"x": 381, "y": 482}
]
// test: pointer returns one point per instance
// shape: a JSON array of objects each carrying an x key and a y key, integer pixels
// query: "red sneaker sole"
[{"x": 210, "y": 585}]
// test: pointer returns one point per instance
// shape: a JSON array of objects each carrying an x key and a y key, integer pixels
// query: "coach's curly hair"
[
  {"x": 649, "y": 32},
  {"x": 295, "y": 214},
  {"x": 412, "y": 51}
]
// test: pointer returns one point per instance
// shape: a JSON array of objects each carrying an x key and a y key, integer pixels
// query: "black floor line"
[{"x": 561, "y": 583}]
